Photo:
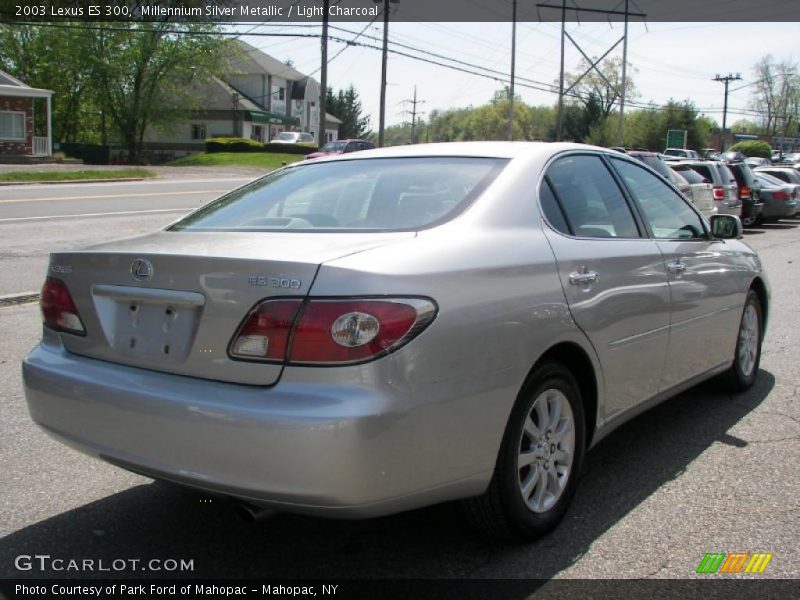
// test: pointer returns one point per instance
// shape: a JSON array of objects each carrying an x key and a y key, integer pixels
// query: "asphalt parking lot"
[{"x": 703, "y": 472}]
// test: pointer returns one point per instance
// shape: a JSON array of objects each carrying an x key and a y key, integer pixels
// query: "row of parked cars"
[{"x": 754, "y": 189}]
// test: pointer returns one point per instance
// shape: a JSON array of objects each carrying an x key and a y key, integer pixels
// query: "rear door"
[
  {"x": 705, "y": 286},
  {"x": 613, "y": 277}
]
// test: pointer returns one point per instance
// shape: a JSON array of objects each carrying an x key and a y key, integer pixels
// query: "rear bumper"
[
  {"x": 343, "y": 450},
  {"x": 778, "y": 208}
]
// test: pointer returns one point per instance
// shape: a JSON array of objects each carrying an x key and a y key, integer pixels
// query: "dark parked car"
[
  {"x": 342, "y": 147},
  {"x": 780, "y": 198},
  {"x": 787, "y": 174},
  {"x": 752, "y": 207}
]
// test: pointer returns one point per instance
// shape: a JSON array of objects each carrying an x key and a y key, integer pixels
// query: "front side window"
[
  {"x": 388, "y": 194},
  {"x": 666, "y": 212},
  {"x": 590, "y": 200},
  {"x": 12, "y": 125}
]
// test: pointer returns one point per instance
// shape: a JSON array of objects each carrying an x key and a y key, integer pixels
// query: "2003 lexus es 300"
[{"x": 395, "y": 328}]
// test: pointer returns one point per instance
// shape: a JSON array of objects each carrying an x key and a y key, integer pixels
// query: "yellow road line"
[{"x": 132, "y": 196}]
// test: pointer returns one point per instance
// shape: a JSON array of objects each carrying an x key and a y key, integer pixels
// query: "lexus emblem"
[{"x": 141, "y": 269}]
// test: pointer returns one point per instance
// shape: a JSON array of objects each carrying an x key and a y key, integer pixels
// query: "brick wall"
[{"x": 17, "y": 104}]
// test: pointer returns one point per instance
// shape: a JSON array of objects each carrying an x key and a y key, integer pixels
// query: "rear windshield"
[
  {"x": 333, "y": 147},
  {"x": 385, "y": 194},
  {"x": 286, "y": 136},
  {"x": 690, "y": 174}
]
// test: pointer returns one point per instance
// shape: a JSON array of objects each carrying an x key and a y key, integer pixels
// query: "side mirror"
[{"x": 726, "y": 227}]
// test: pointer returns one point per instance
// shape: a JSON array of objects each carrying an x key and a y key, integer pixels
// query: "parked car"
[
  {"x": 725, "y": 190},
  {"x": 752, "y": 207},
  {"x": 682, "y": 153},
  {"x": 342, "y": 147},
  {"x": 757, "y": 161},
  {"x": 790, "y": 158},
  {"x": 702, "y": 192},
  {"x": 780, "y": 198},
  {"x": 787, "y": 174},
  {"x": 371, "y": 333},
  {"x": 293, "y": 137},
  {"x": 656, "y": 162}
]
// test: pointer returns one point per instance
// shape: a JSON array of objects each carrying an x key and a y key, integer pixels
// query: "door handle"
[
  {"x": 582, "y": 277},
  {"x": 676, "y": 267}
]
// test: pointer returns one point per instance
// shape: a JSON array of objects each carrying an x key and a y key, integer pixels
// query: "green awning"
[{"x": 268, "y": 117}]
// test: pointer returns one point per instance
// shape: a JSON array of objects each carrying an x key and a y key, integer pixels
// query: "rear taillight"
[
  {"x": 719, "y": 194},
  {"x": 330, "y": 331},
  {"x": 744, "y": 193},
  {"x": 782, "y": 195},
  {"x": 264, "y": 334},
  {"x": 58, "y": 308}
]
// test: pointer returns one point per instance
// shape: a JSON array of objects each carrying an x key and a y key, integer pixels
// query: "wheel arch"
[
  {"x": 573, "y": 357},
  {"x": 760, "y": 288}
]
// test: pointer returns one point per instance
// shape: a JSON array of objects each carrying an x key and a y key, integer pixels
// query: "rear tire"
[
  {"x": 747, "y": 356},
  {"x": 539, "y": 460}
]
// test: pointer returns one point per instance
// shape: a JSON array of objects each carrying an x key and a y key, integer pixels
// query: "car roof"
[{"x": 477, "y": 149}]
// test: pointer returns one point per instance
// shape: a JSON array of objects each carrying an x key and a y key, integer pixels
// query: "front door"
[{"x": 705, "y": 284}]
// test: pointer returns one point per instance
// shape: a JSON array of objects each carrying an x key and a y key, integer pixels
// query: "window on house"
[
  {"x": 12, "y": 125},
  {"x": 281, "y": 93},
  {"x": 198, "y": 132}
]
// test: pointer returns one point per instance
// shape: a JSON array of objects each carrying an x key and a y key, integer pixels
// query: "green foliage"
[
  {"x": 236, "y": 144},
  {"x": 110, "y": 82},
  {"x": 34, "y": 176},
  {"x": 752, "y": 148},
  {"x": 346, "y": 106},
  {"x": 259, "y": 160},
  {"x": 647, "y": 128}
]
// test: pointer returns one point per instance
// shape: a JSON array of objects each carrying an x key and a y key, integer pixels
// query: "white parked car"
[{"x": 293, "y": 137}]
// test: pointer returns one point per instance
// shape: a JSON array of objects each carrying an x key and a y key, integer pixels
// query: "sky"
[{"x": 669, "y": 60}]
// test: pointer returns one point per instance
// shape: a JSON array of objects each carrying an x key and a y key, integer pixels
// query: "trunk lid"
[{"x": 172, "y": 301}]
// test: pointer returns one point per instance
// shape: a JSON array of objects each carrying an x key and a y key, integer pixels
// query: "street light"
[{"x": 382, "y": 120}]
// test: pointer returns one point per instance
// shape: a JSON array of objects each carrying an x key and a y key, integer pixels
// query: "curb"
[{"x": 120, "y": 179}]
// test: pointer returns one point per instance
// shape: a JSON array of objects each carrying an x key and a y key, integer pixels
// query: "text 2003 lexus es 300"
[{"x": 395, "y": 328}]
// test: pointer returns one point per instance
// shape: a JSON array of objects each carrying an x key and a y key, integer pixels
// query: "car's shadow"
[{"x": 162, "y": 521}]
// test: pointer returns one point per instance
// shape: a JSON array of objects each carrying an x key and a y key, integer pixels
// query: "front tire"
[
  {"x": 747, "y": 356},
  {"x": 539, "y": 460}
]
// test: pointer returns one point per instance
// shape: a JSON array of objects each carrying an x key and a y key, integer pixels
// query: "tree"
[
  {"x": 116, "y": 77},
  {"x": 604, "y": 87},
  {"x": 144, "y": 77},
  {"x": 776, "y": 92},
  {"x": 346, "y": 106},
  {"x": 58, "y": 60}
]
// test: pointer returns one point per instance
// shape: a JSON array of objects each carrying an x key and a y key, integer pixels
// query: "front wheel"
[
  {"x": 539, "y": 460},
  {"x": 747, "y": 356}
]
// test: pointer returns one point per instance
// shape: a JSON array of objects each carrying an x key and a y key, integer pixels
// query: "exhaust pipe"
[{"x": 250, "y": 513}]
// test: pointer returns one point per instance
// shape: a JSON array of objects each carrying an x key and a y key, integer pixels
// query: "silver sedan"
[{"x": 359, "y": 336}]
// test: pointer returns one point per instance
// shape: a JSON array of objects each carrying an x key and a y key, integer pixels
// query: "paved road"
[
  {"x": 38, "y": 219},
  {"x": 704, "y": 472}
]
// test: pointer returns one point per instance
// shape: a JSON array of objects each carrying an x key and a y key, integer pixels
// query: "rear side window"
[
  {"x": 655, "y": 163},
  {"x": 704, "y": 171},
  {"x": 591, "y": 202},
  {"x": 781, "y": 175},
  {"x": 727, "y": 174},
  {"x": 668, "y": 213},
  {"x": 691, "y": 175},
  {"x": 387, "y": 194}
]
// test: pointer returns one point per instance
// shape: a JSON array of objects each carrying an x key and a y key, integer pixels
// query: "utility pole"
[
  {"x": 592, "y": 62},
  {"x": 624, "y": 81},
  {"x": 414, "y": 114},
  {"x": 382, "y": 120},
  {"x": 323, "y": 77},
  {"x": 513, "y": 65},
  {"x": 559, "y": 118},
  {"x": 726, "y": 80}
]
